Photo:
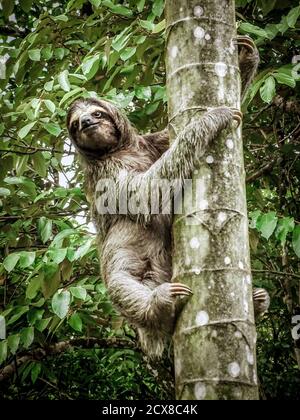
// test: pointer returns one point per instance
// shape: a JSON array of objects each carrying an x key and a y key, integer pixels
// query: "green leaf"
[
  {"x": 26, "y": 259},
  {"x": 61, "y": 18},
  {"x": 140, "y": 5},
  {"x": 117, "y": 9},
  {"x": 267, "y": 224},
  {"x": 21, "y": 164},
  {"x": 47, "y": 52},
  {"x": 39, "y": 164},
  {"x": 4, "y": 192},
  {"x": 254, "y": 216},
  {"x": 34, "y": 286},
  {"x": 44, "y": 229},
  {"x": 158, "y": 7},
  {"x": 27, "y": 336},
  {"x": 50, "y": 105},
  {"x": 96, "y": 3},
  {"x": 252, "y": 29},
  {"x": 13, "y": 343},
  {"x": 83, "y": 249},
  {"x": 35, "y": 55},
  {"x": 35, "y": 315},
  {"x": 35, "y": 371},
  {"x": 293, "y": 16},
  {"x": 271, "y": 30},
  {"x": 90, "y": 66},
  {"x": 63, "y": 81},
  {"x": 48, "y": 86},
  {"x": 268, "y": 91},
  {"x": 127, "y": 53},
  {"x": 267, "y": 5},
  {"x": 3, "y": 351},
  {"x": 285, "y": 79},
  {"x": 52, "y": 128},
  {"x": 26, "y": 5},
  {"x": 146, "y": 24},
  {"x": 42, "y": 324},
  {"x": 142, "y": 92},
  {"x": 296, "y": 240},
  {"x": 61, "y": 303},
  {"x": 284, "y": 226},
  {"x": 57, "y": 254},
  {"x": 75, "y": 322},
  {"x": 78, "y": 292},
  {"x": 51, "y": 279},
  {"x": 70, "y": 94},
  {"x": 18, "y": 312},
  {"x": 58, "y": 240},
  {"x": 10, "y": 261},
  {"x": 159, "y": 27},
  {"x": 26, "y": 129},
  {"x": 121, "y": 40}
]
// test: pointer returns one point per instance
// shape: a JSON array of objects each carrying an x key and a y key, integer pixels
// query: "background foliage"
[{"x": 57, "y": 325}]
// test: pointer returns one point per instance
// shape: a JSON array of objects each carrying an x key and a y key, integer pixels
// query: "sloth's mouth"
[{"x": 89, "y": 126}]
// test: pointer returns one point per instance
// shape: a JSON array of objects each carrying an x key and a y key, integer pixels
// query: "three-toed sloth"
[{"x": 136, "y": 248}]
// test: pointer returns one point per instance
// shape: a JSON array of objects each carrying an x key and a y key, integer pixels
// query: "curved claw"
[
  {"x": 246, "y": 42},
  {"x": 237, "y": 116},
  {"x": 179, "y": 289}
]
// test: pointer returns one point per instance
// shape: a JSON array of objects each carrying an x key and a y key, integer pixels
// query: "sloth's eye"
[
  {"x": 75, "y": 125},
  {"x": 97, "y": 114}
]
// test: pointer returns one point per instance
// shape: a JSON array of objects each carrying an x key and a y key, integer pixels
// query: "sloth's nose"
[{"x": 85, "y": 121}]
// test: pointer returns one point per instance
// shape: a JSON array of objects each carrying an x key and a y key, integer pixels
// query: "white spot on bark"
[
  {"x": 248, "y": 279},
  {"x": 174, "y": 51},
  {"x": 207, "y": 37},
  {"x": 227, "y": 260},
  {"x": 214, "y": 334},
  {"x": 178, "y": 366},
  {"x": 234, "y": 369},
  {"x": 227, "y": 174},
  {"x": 229, "y": 144},
  {"x": 241, "y": 265},
  {"x": 203, "y": 205},
  {"x": 222, "y": 217},
  {"x": 221, "y": 69},
  {"x": 202, "y": 318},
  {"x": 199, "y": 32},
  {"x": 238, "y": 334},
  {"x": 200, "y": 391},
  {"x": 246, "y": 306},
  {"x": 197, "y": 271},
  {"x": 232, "y": 294},
  {"x": 187, "y": 261},
  {"x": 254, "y": 377},
  {"x": 198, "y": 11},
  {"x": 196, "y": 172},
  {"x": 209, "y": 159},
  {"x": 194, "y": 243},
  {"x": 249, "y": 355}
]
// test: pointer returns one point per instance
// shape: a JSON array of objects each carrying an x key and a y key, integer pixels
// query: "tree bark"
[{"x": 214, "y": 340}]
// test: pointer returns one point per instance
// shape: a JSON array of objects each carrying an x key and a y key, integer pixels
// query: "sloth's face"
[{"x": 92, "y": 129}]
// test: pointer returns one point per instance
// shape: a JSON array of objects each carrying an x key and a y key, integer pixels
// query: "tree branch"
[
  {"x": 57, "y": 348},
  {"x": 263, "y": 170}
]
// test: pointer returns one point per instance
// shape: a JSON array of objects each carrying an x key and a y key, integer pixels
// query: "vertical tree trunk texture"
[{"x": 214, "y": 340}]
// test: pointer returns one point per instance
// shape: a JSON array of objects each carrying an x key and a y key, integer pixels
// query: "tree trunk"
[{"x": 214, "y": 340}]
